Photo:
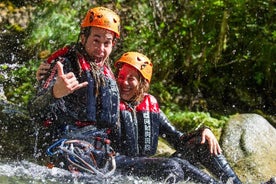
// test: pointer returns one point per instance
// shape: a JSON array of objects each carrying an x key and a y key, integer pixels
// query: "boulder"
[{"x": 248, "y": 142}]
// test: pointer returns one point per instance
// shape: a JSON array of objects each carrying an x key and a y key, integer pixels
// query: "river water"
[{"x": 25, "y": 172}]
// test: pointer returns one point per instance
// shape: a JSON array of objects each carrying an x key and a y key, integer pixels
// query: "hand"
[
  {"x": 42, "y": 70},
  {"x": 214, "y": 146},
  {"x": 66, "y": 83}
]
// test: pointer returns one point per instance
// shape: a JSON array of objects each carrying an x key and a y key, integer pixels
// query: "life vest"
[
  {"x": 139, "y": 127},
  {"x": 102, "y": 109},
  {"x": 58, "y": 53}
]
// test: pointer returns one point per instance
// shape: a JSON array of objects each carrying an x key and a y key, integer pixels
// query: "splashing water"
[{"x": 25, "y": 172}]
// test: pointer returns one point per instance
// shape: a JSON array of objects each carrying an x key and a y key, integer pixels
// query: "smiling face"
[
  {"x": 128, "y": 82},
  {"x": 99, "y": 44}
]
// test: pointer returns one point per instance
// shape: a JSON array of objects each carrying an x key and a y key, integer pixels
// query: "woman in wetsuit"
[{"x": 142, "y": 122}]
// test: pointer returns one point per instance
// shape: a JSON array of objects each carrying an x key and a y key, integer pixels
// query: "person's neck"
[{"x": 132, "y": 102}]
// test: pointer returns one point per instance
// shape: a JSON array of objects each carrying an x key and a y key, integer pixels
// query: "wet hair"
[
  {"x": 86, "y": 31},
  {"x": 143, "y": 87}
]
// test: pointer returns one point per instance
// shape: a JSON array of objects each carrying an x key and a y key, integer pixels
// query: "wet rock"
[
  {"x": 164, "y": 149},
  {"x": 248, "y": 141},
  {"x": 271, "y": 181}
]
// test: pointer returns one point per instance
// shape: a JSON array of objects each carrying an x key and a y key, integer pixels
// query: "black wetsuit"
[
  {"x": 85, "y": 106},
  {"x": 137, "y": 138}
]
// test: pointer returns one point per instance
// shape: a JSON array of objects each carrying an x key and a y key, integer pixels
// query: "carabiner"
[{"x": 56, "y": 144}]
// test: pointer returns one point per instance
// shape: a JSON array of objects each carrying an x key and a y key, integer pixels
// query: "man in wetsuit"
[{"x": 78, "y": 89}]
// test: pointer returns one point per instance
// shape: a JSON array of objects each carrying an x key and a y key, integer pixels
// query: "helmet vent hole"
[
  {"x": 91, "y": 18},
  {"x": 114, "y": 20},
  {"x": 139, "y": 59},
  {"x": 143, "y": 66}
]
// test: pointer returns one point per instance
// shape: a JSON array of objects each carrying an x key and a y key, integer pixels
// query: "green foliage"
[
  {"x": 188, "y": 121},
  {"x": 195, "y": 44},
  {"x": 20, "y": 83},
  {"x": 221, "y": 52},
  {"x": 168, "y": 98},
  {"x": 56, "y": 24}
]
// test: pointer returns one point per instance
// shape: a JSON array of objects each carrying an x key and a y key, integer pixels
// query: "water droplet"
[{"x": 51, "y": 41}]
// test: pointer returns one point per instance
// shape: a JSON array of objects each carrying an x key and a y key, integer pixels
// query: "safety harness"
[{"x": 95, "y": 157}]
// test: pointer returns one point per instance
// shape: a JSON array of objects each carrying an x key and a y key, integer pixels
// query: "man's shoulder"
[{"x": 59, "y": 53}]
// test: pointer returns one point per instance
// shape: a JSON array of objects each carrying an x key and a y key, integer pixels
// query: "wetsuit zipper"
[{"x": 135, "y": 127}]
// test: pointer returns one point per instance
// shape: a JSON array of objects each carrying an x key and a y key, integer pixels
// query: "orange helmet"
[
  {"x": 103, "y": 18},
  {"x": 138, "y": 61}
]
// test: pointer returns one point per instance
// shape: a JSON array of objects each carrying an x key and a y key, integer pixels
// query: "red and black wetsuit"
[
  {"x": 81, "y": 108},
  {"x": 137, "y": 138},
  {"x": 141, "y": 126}
]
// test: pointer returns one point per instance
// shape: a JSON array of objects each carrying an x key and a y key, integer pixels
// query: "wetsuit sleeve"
[
  {"x": 177, "y": 138},
  {"x": 43, "y": 105},
  {"x": 168, "y": 131}
]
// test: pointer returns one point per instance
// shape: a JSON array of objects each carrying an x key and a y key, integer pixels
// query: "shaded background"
[{"x": 209, "y": 56}]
